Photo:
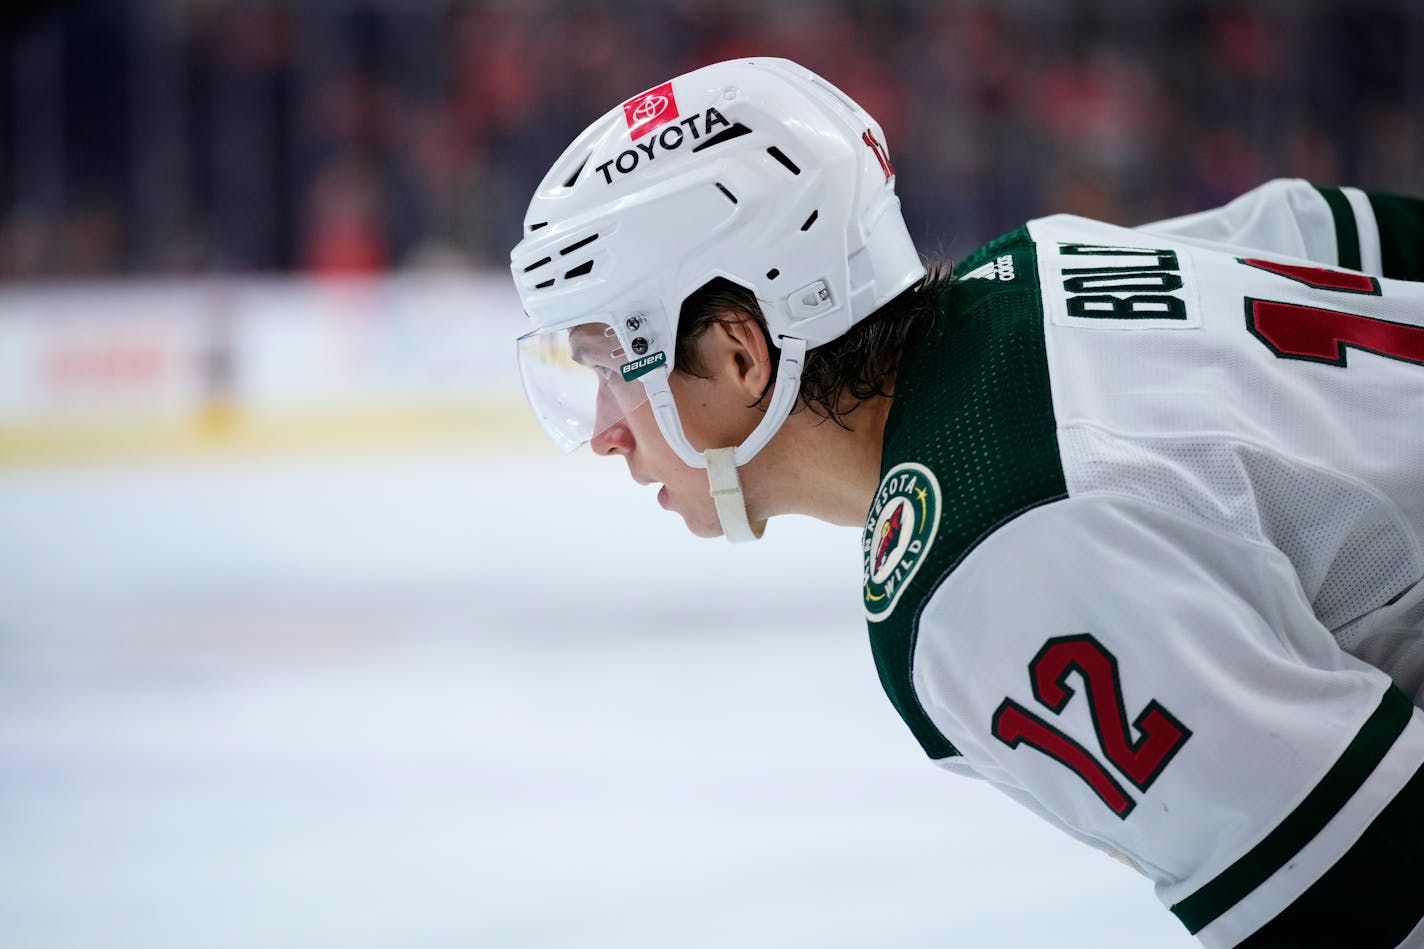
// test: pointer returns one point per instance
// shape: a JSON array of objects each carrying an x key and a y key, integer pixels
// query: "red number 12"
[{"x": 1140, "y": 760}]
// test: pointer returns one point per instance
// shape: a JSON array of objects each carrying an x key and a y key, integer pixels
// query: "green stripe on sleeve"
[
  {"x": 1340, "y": 783},
  {"x": 1401, "y": 230},
  {"x": 1378, "y": 879},
  {"x": 1347, "y": 235}
]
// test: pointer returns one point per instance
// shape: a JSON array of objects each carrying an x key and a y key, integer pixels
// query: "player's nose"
[
  {"x": 614, "y": 436},
  {"x": 616, "y": 439}
]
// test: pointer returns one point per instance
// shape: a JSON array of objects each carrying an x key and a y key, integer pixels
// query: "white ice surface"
[{"x": 465, "y": 701}]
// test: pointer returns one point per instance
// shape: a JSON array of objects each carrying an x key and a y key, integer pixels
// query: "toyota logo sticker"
[{"x": 648, "y": 111}]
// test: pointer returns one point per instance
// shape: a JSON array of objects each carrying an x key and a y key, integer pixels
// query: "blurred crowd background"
[{"x": 158, "y": 137}]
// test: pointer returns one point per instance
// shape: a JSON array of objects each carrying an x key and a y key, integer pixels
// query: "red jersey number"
[
  {"x": 1138, "y": 752},
  {"x": 1316, "y": 334}
]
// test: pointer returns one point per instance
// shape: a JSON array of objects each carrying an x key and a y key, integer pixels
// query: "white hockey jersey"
[{"x": 1148, "y": 547}]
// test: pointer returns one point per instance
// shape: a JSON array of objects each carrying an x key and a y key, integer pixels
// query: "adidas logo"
[{"x": 1001, "y": 269}]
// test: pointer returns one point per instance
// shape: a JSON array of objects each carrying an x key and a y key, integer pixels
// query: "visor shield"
[{"x": 574, "y": 382}]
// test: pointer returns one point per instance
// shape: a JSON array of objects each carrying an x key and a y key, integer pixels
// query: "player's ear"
[{"x": 741, "y": 354}]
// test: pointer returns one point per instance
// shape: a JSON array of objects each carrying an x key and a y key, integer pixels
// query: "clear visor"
[{"x": 574, "y": 381}]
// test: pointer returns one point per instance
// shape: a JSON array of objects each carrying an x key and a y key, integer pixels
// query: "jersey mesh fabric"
[
  {"x": 1350, "y": 551},
  {"x": 972, "y": 404}
]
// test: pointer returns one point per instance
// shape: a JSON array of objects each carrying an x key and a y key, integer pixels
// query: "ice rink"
[{"x": 458, "y": 699}]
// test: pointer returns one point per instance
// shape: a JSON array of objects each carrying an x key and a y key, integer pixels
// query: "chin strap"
[
  {"x": 727, "y": 496},
  {"x": 721, "y": 463}
]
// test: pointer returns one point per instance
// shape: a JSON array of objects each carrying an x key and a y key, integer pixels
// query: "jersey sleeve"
[
  {"x": 1376, "y": 232},
  {"x": 1161, "y": 689}
]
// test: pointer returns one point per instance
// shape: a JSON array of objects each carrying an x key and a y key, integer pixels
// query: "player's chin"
[
  {"x": 702, "y": 523},
  {"x": 704, "y": 530}
]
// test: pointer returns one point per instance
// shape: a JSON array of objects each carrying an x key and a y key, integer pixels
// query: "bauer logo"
[
  {"x": 651, "y": 109},
  {"x": 898, "y": 532},
  {"x": 641, "y": 367}
]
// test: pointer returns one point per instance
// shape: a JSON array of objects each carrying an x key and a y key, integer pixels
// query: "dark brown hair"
[{"x": 839, "y": 375}]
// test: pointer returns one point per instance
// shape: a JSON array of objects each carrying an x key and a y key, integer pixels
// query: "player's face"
[
  {"x": 650, "y": 459},
  {"x": 716, "y": 411},
  {"x": 593, "y": 347}
]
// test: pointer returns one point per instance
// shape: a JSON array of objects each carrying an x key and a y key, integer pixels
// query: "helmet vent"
[
  {"x": 577, "y": 244},
  {"x": 580, "y": 270},
  {"x": 578, "y": 171},
  {"x": 810, "y": 220},
  {"x": 773, "y": 273},
  {"x": 535, "y": 227},
  {"x": 776, "y": 153},
  {"x": 545, "y": 285},
  {"x": 723, "y": 188},
  {"x": 726, "y": 135},
  {"x": 537, "y": 264}
]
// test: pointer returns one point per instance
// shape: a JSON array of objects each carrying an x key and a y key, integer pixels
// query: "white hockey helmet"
[{"x": 757, "y": 171}]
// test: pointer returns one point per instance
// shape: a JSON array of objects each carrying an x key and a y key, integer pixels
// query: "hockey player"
[{"x": 1142, "y": 509}]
